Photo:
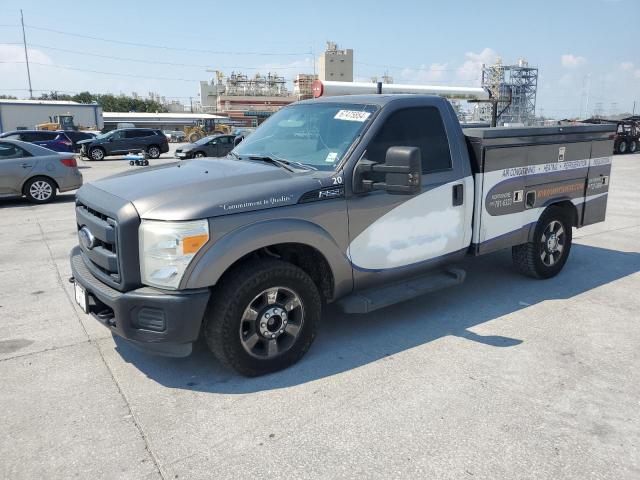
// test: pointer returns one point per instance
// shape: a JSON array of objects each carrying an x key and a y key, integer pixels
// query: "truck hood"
[{"x": 207, "y": 187}]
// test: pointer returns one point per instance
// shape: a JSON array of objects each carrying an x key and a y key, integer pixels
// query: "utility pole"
[{"x": 26, "y": 55}]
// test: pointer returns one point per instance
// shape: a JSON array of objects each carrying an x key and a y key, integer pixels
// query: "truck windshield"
[{"x": 314, "y": 134}]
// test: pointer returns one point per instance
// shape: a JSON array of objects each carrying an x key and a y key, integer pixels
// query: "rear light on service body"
[{"x": 69, "y": 162}]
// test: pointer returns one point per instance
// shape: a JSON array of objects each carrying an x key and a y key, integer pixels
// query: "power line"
[
  {"x": 151, "y": 62},
  {"x": 64, "y": 67},
  {"x": 164, "y": 47}
]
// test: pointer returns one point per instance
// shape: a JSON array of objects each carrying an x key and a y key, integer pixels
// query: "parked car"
[
  {"x": 175, "y": 136},
  {"x": 75, "y": 137},
  {"x": 36, "y": 172},
  {"x": 125, "y": 140},
  {"x": 211, "y": 146},
  {"x": 56, "y": 141}
]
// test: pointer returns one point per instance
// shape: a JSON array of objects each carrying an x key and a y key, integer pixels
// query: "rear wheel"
[
  {"x": 546, "y": 254},
  {"x": 40, "y": 190},
  {"x": 622, "y": 147},
  {"x": 199, "y": 155},
  {"x": 263, "y": 318},
  {"x": 96, "y": 153},
  {"x": 633, "y": 146},
  {"x": 153, "y": 151}
]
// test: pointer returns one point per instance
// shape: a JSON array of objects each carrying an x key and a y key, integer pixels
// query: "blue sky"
[{"x": 584, "y": 49}]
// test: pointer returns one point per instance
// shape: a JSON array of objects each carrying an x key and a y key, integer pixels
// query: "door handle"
[{"x": 458, "y": 194}]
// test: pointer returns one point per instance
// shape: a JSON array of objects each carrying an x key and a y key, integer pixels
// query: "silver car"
[{"x": 36, "y": 172}]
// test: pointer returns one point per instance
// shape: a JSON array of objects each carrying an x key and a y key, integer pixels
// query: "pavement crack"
[
  {"x": 52, "y": 349},
  {"x": 134, "y": 418}
]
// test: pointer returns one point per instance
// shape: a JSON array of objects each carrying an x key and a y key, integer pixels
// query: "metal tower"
[{"x": 522, "y": 81}]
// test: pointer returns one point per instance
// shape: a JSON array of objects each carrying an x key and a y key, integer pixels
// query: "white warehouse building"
[{"x": 26, "y": 114}]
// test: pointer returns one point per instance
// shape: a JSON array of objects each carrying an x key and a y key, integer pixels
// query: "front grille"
[{"x": 104, "y": 254}]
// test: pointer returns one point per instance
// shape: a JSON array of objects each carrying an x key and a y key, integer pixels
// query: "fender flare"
[{"x": 210, "y": 264}]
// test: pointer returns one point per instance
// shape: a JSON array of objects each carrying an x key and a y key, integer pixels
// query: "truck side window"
[{"x": 420, "y": 127}]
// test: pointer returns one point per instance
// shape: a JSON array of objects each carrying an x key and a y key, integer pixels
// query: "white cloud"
[
  {"x": 626, "y": 66},
  {"x": 425, "y": 73},
  {"x": 572, "y": 61},
  {"x": 15, "y": 53},
  {"x": 472, "y": 67}
]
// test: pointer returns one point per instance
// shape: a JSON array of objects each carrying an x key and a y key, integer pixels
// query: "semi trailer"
[{"x": 363, "y": 201}]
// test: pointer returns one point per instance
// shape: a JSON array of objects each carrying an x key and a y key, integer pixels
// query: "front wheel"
[
  {"x": 622, "y": 147},
  {"x": 546, "y": 254},
  {"x": 263, "y": 318},
  {"x": 96, "y": 153},
  {"x": 633, "y": 146},
  {"x": 153, "y": 152}
]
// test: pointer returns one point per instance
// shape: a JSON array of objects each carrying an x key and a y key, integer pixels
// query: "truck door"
[
  {"x": 15, "y": 165},
  {"x": 396, "y": 235}
]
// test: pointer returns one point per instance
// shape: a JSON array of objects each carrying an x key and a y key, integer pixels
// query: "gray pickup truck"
[{"x": 365, "y": 201}]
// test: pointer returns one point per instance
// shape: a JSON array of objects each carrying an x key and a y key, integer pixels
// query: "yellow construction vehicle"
[
  {"x": 58, "y": 122},
  {"x": 203, "y": 128}
]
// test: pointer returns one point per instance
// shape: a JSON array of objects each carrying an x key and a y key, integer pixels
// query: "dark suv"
[
  {"x": 56, "y": 141},
  {"x": 125, "y": 140}
]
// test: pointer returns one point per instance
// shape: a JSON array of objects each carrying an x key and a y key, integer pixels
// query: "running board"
[{"x": 375, "y": 298}]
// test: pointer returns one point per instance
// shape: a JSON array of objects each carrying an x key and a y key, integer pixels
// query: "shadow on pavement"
[
  {"x": 16, "y": 201},
  {"x": 345, "y": 342}
]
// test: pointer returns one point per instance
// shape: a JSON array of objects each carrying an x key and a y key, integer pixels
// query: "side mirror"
[
  {"x": 237, "y": 140},
  {"x": 402, "y": 169}
]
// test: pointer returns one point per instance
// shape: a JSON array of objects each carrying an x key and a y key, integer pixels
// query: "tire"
[
  {"x": 633, "y": 146},
  {"x": 153, "y": 151},
  {"x": 97, "y": 154},
  {"x": 545, "y": 256},
  {"x": 40, "y": 190},
  {"x": 199, "y": 155},
  {"x": 622, "y": 147},
  {"x": 244, "y": 311}
]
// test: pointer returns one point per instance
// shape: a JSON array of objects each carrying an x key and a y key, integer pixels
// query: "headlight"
[{"x": 166, "y": 248}]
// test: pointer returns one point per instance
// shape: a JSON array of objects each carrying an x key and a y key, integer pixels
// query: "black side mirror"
[
  {"x": 402, "y": 169},
  {"x": 237, "y": 140}
]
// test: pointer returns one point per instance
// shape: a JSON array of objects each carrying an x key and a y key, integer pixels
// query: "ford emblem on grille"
[{"x": 87, "y": 239}]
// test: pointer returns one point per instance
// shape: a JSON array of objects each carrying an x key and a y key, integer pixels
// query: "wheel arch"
[
  {"x": 23, "y": 187},
  {"x": 566, "y": 206},
  {"x": 313, "y": 250}
]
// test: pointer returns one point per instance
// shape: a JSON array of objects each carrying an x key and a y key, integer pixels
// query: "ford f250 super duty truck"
[{"x": 361, "y": 200}]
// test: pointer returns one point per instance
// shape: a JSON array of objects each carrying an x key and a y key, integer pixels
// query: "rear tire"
[
  {"x": 244, "y": 313},
  {"x": 40, "y": 190},
  {"x": 199, "y": 155},
  {"x": 622, "y": 147},
  {"x": 546, "y": 254},
  {"x": 633, "y": 146}
]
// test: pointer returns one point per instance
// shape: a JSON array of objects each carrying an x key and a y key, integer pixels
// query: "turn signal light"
[
  {"x": 69, "y": 162},
  {"x": 193, "y": 243}
]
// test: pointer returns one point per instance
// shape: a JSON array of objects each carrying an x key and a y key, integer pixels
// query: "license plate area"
[{"x": 82, "y": 298}]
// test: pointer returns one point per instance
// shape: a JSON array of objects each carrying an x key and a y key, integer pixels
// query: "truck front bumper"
[{"x": 156, "y": 321}]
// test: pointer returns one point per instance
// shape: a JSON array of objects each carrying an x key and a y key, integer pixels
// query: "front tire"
[
  {"x": 263, "y": 318},
  {"x": 546, "y": 254},
  {"x": 633, "y": 146},
  {"x": 153, "y": 152},
  {"x": 199, "y": 155},
  {"x": 40, "y": 190},
  {"x": 97, "y": 154},
  {"x": 622, "y": 147}
]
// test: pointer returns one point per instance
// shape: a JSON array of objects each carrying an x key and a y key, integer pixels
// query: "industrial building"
[
  {"x": 26, "y": 114},
  {"x": 516, "y": 87},
  {"x": 335, "y": 65},
  {"x": 303, "y": 85},
  {"x": 162, "y": 121},
  {"x": 245, "y": 100}
]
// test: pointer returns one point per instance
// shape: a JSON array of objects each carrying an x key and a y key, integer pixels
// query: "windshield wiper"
[{"x": 275, "y": 161}]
